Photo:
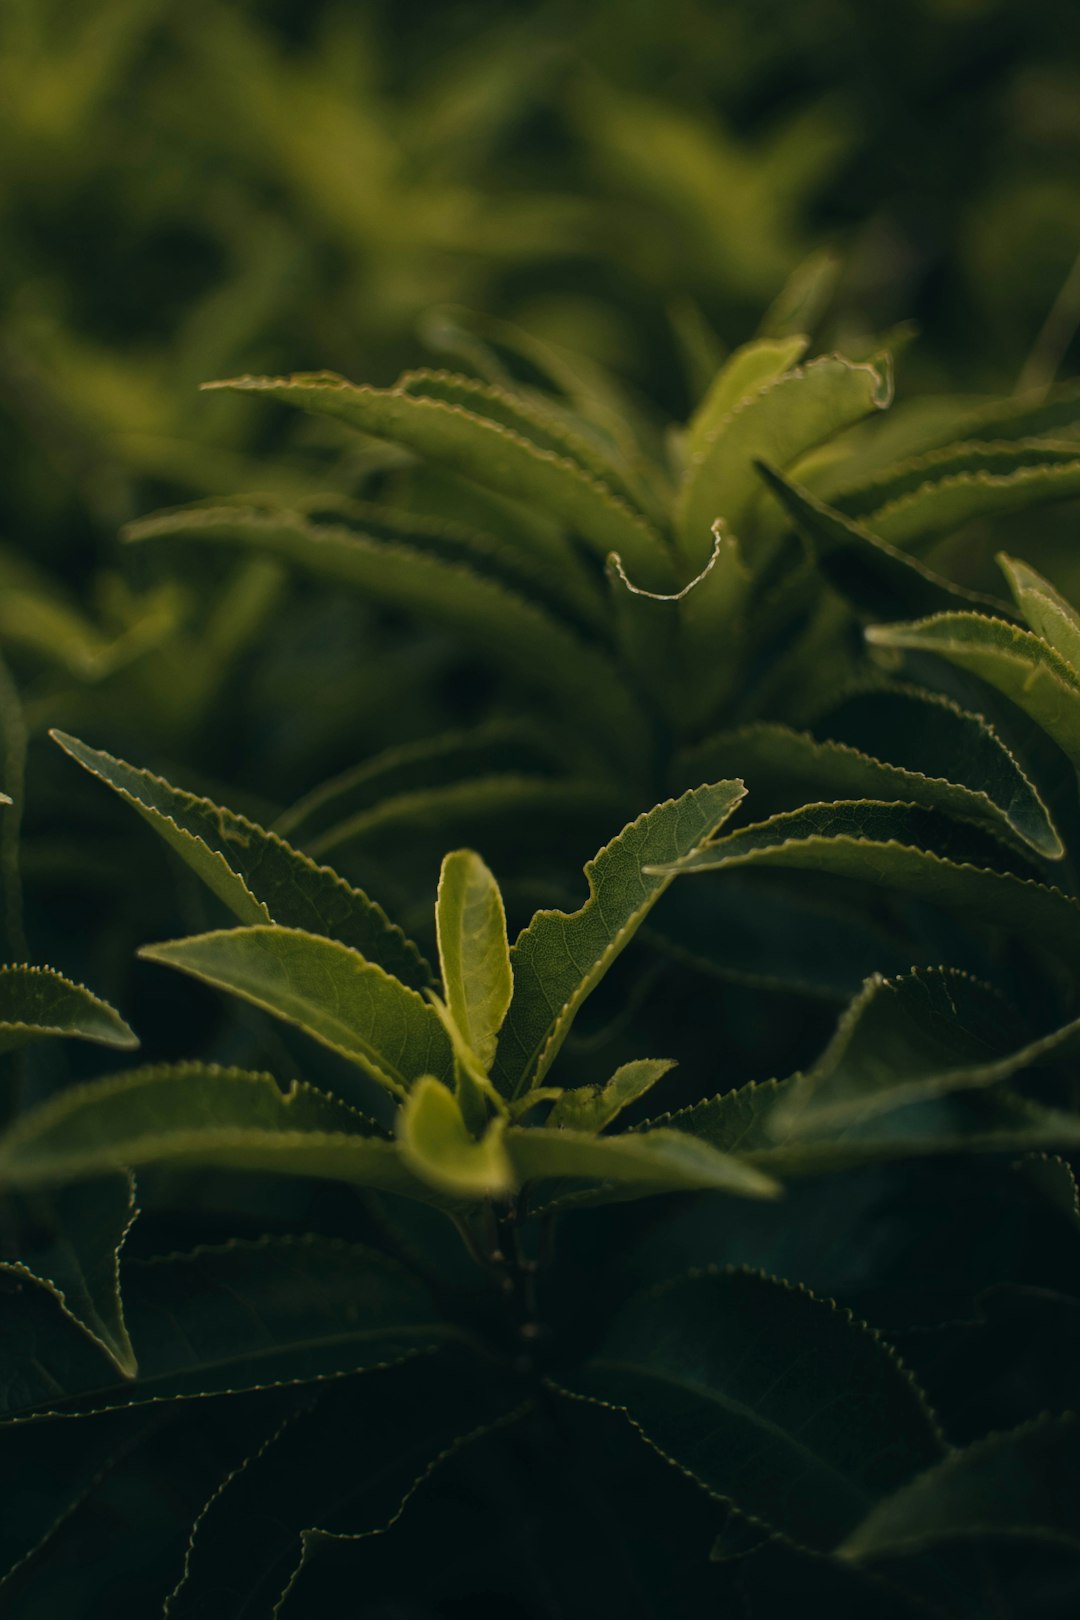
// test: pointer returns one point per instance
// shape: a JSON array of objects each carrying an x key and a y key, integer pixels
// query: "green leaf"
[
  {"x": 1024, "y": 1483},
  {"x": 686, "y": 647},
  {"x": 69, "y": 1240},
  {"x": 904, "y": 1040},
  {"x": 329, "y": 991},
  {"x": 634, "y": 1164},
  {"x": 38, "y": 1001},
  {"x": 540, "y": 651},
  {"x": 200, "y": 1116},
  {"x": 927, "y": 733},
  {"x": 939, "y": 504},
  {"x": 559, "y": 958},
  {"x": 592, "y": 1108},
  {"x": 438, "y": 1147},
  {"x": 1017, "y": 662},
  {"x": 795, "y": 767},
  {"x": 747, "y": 371},
  {"x": 1045, "y": 609},
  {"x": 773, "y": 1400},
  {"x": 918, "y": 476},
  {"x": 779, "y": 423},
  {"x": 487, "y": 436},
  {"x": 251, "y": 1315},
  {"x": 880, "y": 845},
  {"x": 474, "y": 953},
  {"x": 256, "y": 873},
  {"x": 316, "y": 1491},
  {"x": 869, "y": 572}
]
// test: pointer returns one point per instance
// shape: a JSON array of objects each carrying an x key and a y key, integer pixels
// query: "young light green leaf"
[
  {"x": 633, "y": 1165},
  {"x": 69, "y": 1240},
  {"x": 774, "y": 1400},
  {"x": 1025, "y": 1483},
  {"x": 1020, "y": 664},
  {"x": 1045, "y": 609},
  {"x": 486, "y": 436},
  {"x": 792, "y": 767},
  {"x": 882, "y": 846},
  {"x": 592, "y": 1108},
  {"x": 474, "y": 953},
  {"x": 873, "y": 575},
  {"x": 329, "y": 991},
  {"x": 438, "y": 1147},
  {"x": 248, "y": 1315},
  {"x": 559, "y": 958},
  {"x": 199, "y": 1116},
  {"x": 752, "y": 367},
  {"x": 254, "y": 872},
  {"x": 779, "y": 423},
  {"x": 38, "y": 1001},
  {"x": 543, "y": 653}
]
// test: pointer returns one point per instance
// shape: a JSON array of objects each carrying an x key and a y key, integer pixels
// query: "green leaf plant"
[{"x": 469, "y": 1317}]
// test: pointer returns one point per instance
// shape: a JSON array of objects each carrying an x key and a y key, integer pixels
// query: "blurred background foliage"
[{"x": 222, "y": 186}]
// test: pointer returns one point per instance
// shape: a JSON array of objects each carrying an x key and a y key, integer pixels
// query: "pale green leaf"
[
  {"x": 1045, "y": 609},
  {"x": 1020, "y": 664},
  {"x": 474, "y": 953},
  {"x": 592, "y": 1108},
  {"x": 779, "y": 423},
  {"x": 745, "y": 372},
  {"x": 634, "y": 1164},
  {"x": 772, "y": 1399},
  {"x": 560, "y": 957},
  {"x": 38, "y": 1001},
  {"x": 438, "y": 1147},
  {"x": 486, "y": 436},
  {"x": 331, "y": 992},
  {"x": 254, "y": 872},
  {"x": 203, "y": 1117}
]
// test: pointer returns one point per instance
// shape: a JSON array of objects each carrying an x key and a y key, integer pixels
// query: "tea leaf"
[
  {"x": 201, "y": 1116},
  {"x": 487, "y": 436},
  {"x": 1023, "y": 1483},
  {"x": 559, "y": 958},
  {"x": 437, "y": 1146},
  {"x": 329, "y": 991},
  {"x": 543, "y": 653},
  {"x": 635, "y": 1164},
  {"x": 1017, "y": 662},
  {"x": 247, "y": 1315},
  {"x": 872, "y": 574},
  {"x": 38, "y": 1001},
  {"x": 254, "y": 872},
  {"x": 592, "y": 1108},
  {"x": 69, "y": 1240},
  {"x": 779, "y": 424},
  {"x": 772, "y": 1399},
  {"x": 474, "y": 953},
  {"x": 1045, "y": 609},
  {"x": 775, "y": 759},
  {"x": 880, "y": 845}
]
